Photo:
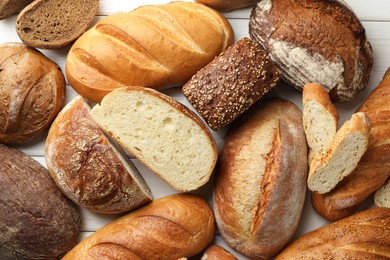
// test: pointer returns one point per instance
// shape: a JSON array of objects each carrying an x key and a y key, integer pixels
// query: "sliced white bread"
[
  {"x": 382, "y": 196},
  {"x": 342, "y": 156},
  {"x": 320, "y": 119},
  {"x": 162, "y": 133}
]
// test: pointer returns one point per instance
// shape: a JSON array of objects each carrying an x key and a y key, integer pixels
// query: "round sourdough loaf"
[
  {"x": 314, "y": 41},
  {"x": 36, "y": 220},
  {"x": 88, "y": 168},
  {"x": 156, "y": 46},
  {"x": 32, "y": 92}
]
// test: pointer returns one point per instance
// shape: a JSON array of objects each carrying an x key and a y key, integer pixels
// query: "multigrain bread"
[
  {"x": 11, "y": 7},
  {"x": 382, "y": 195},
  {"x": 89, "y": 170},
  {"x": 341, "y": 156},
  {"x": 320, "y": 118},
  {"x": 162, "y": 133},
  {"x": 365, "y": 235},
  {"x": 53, "y": 24},
  {"x": 231, "y": 83},
  {"x": 216, "y": 252},
  {"x": 32, "y": 92},
  {"x": 315, "y": 41},
  {"x": 161, "y": 45},
  {"x": 173, "y": 227},
  {"x": 227, "y": 5},
  {"x": 36, "y": 220},
  {"x": 260, "y": 183},
  {"x": 374, "y": 167}
]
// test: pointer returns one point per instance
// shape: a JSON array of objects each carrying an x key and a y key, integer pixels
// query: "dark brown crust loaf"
[
  {"x": 88, "y": 168},
  {"x": 374, "y": 167},
  {"x": 36, "y": 220},
  {"x": 317, "y": 41},
  {"x": 231, "y": 83},
  {"x": 261, "y": 176},
  {"x": 32, "y": 92},
  {"x": 365, "y": 235},
  {"x": 11, "y": 7}
]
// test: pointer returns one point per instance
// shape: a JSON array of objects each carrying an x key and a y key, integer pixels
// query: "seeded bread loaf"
[
  {"x": 11, "y": 7},
  {"x": 342, "y": 155},
  {"x": 216, "y": 252},
  {"x": 53, "y": 24},
  {"x": 36, "y": 220},
  {"x": 314, "y": 41},
  {"x": 382, "y": 195},
  {"x": 32, "y": 90},
  {"x": 161, "y": 132},
  {"x": 365, "y": 235},
  {"x": 88, "y": 169},
  {"x": 227, "y": 5},
  {"x": 320, "y": 118},
  {"x": 172, "y": 227},
  {"x": 161, "y": 45},
  {"x": 231, "y": 83},
  {"x": 260, "y": 183}
]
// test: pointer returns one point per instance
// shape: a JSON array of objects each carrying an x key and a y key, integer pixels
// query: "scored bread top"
[{"x": 161, "y": 132}]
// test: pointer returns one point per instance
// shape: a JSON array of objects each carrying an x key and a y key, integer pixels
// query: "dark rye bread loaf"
[
  {"x": 318, "y": 41},
  {"x": 11, "y": 7},
  {"x": 36, "y": 220},
  {"x": 231, "y": 83},
  {"x": 53, "y": 24}
]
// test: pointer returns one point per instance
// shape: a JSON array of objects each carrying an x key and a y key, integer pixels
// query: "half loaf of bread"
[
  {"x": 90, "y": 170},
  {"x": 156, "y": 46},
  {"x": 161, "y": 132},
  {"x": 342, "y": 156}
]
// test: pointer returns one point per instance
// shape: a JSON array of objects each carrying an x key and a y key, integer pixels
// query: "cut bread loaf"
[
  {"x": 11, "y": 7},
  {"x": 53, "y": 24},
  {"x": 382, "y": 195},
  {"x": 342, "y": 156},
  {"x": 161, "y": 132},
  {"x": 88, "y": 169},
  {"x": 320, "y": 118}
]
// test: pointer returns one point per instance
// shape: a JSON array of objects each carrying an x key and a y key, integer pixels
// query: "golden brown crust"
[
  {"x": 32, "y": 90},
  {"x": 172, "y": 227},
  {"x": 93, "y": 73},
  {"x": 365, "y": 235},
  {"x": 261, "y": 179},
  {"x": 314, "y": 91},
  {"x": 216, "y": 252},
  {"x": 227, "y": 5}
]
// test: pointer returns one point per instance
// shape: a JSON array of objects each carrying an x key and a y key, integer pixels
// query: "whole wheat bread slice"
[
  {"x": 320, "y": 118},
  {"x": 11, "y": 7},
  {"x": 342, "y": 156},
  {"x": 382, "y": 196},
  {"x": 53, "y": 24}
]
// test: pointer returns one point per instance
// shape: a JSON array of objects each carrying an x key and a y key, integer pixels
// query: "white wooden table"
[{"x": 375, "y": 16}]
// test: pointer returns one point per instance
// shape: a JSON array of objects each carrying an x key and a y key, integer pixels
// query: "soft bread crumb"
[{"x": 382, "y": 195}]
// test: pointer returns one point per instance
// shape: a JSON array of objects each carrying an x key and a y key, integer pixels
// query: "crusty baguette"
[
  {"x": 216, "y": 252},
  {"x": 231, "y": 83},
  {"x": 88, "y": 169},
  {"x": 172, "y": 227},
  {"x": 320, "y": 118},
  {"x": 260, "y": 184},
  {"x": 365, "y": 235},
  {"x": 342, "y": 156},
  {"x": 11, "y": 7},
  {"x": 161, "y": 45},
  {"x": 162, "y": 133},
  {"x": 374, "y": 167},
  {"x": 382, "y": 195},
  {"x": 227, "y": 5},
  {"x": 53, "y": 24}
]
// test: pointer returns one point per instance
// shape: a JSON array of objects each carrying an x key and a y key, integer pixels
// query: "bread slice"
[
  {"x": 162, "y": 133},
  {"x": 320, "y": 118},
  {"x": 11, "y": 7},
  {"x": 53, "y": 24},
  {"x": 342, "y": 156},
  {"x": 382, "y": 196}
]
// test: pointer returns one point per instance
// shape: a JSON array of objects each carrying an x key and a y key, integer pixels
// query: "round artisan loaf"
[
  {"x": 36, "y": 220},
  {"x": 315, "y": 41},
  {"x": 154, "y": 46},
  {"x": 172, "y": 227},
  {"x": 90, "y": 170},
  {"x": 32, "y": 92}
]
